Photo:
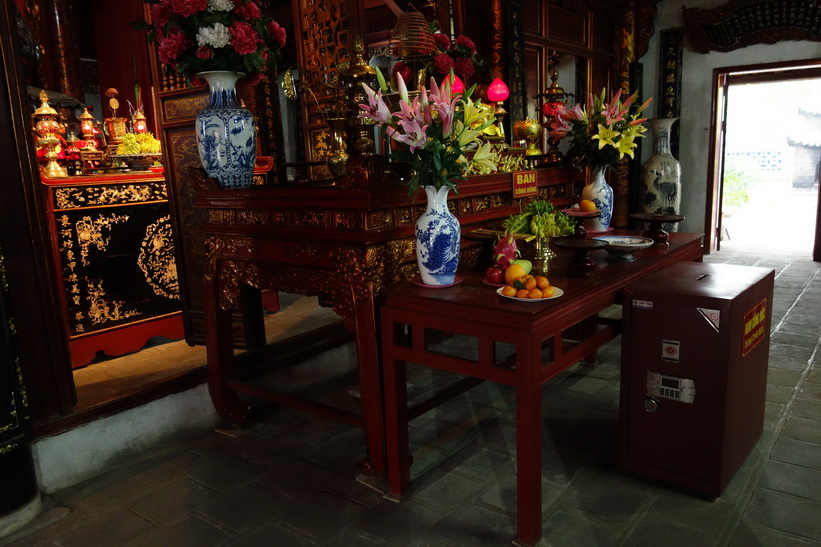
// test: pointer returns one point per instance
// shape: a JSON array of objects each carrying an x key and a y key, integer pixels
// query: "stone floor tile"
[
  {"x": 405, "y": 523},
  {"x": 791, "y": 479},
  {"x": 692, "y": 509},
  {"x": 797, "y": 452},
  {"x": 273, "y": 533},
  {"x": 803, "y": 429},
  {"x": 323, "y": 515},
  {"x": 242, "y": 509},
  {"x": 750, "y": 533},
  {"x": 501, "y": 494},
  {"x": 444, "y": 490},
  {"x": 784, "y": 512},
  {"x": 607, "y": 501},
  {"x": 99, "y": 494},
  {"x": 116, "y": 527},
  {"x": 476, "y": 526},
  {"x": 173, "y": 501},
  {"x": 296, "y": 480},
  {"x": 189, "y": 532},
  {"x": 226, "y": 473},
  {"x": 566, "y": 528},
  {"x": 670, "y": 533}
]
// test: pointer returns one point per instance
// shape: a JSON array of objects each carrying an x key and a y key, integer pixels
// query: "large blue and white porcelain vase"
[
  {"x": 438, "y": 237},
  {"x": 226, "y": 134},
  {"x": 600, "y": 193}
]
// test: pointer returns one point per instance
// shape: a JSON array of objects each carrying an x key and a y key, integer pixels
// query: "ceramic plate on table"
[
  {"x": 418, "y": 281},
  {"x": 626, "y": 243},
  {"x": 556, "y": 294},
  {"x": 582, "y": 214},
  {"x": 486, "y": 282}
]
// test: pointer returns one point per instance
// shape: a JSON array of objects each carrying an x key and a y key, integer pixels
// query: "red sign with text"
[
  {"x": 755, "y": 322},
  {"x": 525, "y": 184}
]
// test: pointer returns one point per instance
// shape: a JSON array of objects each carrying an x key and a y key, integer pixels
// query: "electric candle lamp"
[
  {"x": 139, "y": 122},
  {"x": 498, "y": 92},
  {"x": 457, "y": 86}
]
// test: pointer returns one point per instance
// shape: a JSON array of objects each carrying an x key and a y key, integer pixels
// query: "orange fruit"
[
  {"x": 542, "y": 282},
  {"x": 512, "y": 272},
  {"x": 535, "y": 293},
  {"x": 587, "y": 206},
  {"x": 548, "y": 292},
  {"x": 509, "y": 291},
  {"x": 530, "y": 284},
  {"x": 522, "y": 293}
]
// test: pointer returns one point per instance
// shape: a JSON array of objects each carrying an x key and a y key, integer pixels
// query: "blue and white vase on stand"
[
  {"x": 226, "y": 134},
  {"x": 438, "y": 237},
  {"x": 600, "y": 193}
]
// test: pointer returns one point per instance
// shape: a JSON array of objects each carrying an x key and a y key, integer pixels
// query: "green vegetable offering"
[{"x": 539, "y": 218}]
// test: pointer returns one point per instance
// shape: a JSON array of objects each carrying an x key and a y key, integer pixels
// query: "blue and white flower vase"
[
  {"x": 661, "y": 175},
  {"x": 600, "y": 193},
  {"x": 226, "y": 134},
  {"x": 438, "y": 237}
]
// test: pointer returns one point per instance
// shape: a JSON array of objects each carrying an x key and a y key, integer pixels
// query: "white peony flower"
[
  {"x": 220, "y": 5},
  {"x": 216, "y": 36}
]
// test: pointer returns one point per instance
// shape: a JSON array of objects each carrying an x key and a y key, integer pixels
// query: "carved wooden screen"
[{"x": 323, "y": 28}]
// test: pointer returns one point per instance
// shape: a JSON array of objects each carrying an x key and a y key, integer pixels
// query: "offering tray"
[
  {"x": 582, "y": 264},
  {"x": 621, "y": 248},
  {"x": 656, "y": 231}
]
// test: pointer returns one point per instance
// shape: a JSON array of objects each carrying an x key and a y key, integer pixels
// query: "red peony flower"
[
  {"x": 244, "y": 38},
  {"x": 402, "y": 70},
  {"x": 278, "y": 32},
  {"x": 248, "y": 11},
  {"x": 205, "y": 52},
  {"x": 442, "y": 41},
  {"x": 187, "y": 8},
  {"x": 463, "y": 67},
  {"x": 161, "y": 13},
  {"x": 466, "y": 42},
  {"x": 173, "y": 45},
  {"x": 442, "y": 63}
]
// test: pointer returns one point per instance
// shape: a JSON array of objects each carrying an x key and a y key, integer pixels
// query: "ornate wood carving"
[{"x": 740, "y": 23}]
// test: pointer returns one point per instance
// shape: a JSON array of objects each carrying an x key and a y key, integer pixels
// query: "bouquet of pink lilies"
[{"x": 436, "y": 129}]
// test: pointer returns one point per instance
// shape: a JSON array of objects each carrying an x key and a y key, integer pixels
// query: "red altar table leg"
[
  {"x": 220, "y": 356},
  {"x": 529, "y": 442},
  {"x": 396, "y": 415},
  {"x": 367, "y": 346}
]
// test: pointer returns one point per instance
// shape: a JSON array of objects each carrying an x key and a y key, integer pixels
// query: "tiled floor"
[{"x": 292, "y": 479}]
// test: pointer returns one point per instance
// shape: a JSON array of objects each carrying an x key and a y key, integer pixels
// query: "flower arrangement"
[
  {"x": 457, "y": 55},
  {"x": 602, "y": 133},
  {"x": 195, "y": 36},
  {"x": 435, "y": 130}
]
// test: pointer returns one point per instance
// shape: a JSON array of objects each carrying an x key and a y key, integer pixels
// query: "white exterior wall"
[{"x": 696, "y": 96}]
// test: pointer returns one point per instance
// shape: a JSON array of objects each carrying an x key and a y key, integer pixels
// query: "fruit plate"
[{"x": 556, "y": 294}]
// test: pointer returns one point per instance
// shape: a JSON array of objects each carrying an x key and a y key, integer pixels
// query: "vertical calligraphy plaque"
[{"x": 669, "y": 87}]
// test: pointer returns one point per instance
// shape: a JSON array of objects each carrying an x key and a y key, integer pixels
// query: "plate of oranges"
[{"x": 529, "y": 288}]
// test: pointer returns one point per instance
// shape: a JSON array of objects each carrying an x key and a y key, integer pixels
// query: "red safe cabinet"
[{"x": 695, "y": 349}]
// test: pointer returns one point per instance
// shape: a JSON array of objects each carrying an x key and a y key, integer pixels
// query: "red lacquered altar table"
[{"x": 541, "y": 333}]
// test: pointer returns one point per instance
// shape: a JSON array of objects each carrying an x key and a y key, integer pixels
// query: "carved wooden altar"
[
  {"x": 346, "y": 243},
  {"x": 114, "y": 247}
]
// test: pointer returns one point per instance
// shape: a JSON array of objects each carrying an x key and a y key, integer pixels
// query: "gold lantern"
[{"x": 48, "y": 128}]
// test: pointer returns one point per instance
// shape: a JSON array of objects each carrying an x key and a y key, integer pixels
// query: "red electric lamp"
[
  {"x": 498, "y": 92},
  {"x": 457, "y": 86}
]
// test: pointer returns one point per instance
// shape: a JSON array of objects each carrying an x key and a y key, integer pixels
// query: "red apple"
[{"x": 495, "y": 275}]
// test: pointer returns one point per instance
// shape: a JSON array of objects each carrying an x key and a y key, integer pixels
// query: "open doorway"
[{"x": 766, "y": 159}]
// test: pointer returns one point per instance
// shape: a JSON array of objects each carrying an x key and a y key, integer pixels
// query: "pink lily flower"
[
  {"x": 414, "y": 135},
  {"x": 376, "y": 109}
]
